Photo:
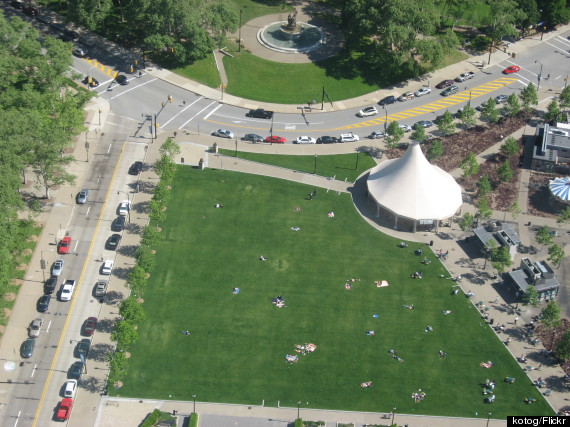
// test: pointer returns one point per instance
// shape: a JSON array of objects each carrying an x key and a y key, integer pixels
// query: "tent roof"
[{"x": 411, "y": 187}]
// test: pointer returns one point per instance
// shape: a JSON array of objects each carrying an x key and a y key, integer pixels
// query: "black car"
[
  {"x": 118, "y": 224},
  {"x": 388, "y": 100},
  {"x": 122, "y": 79},
  {"x": 252, "y": 137},
  {"x": 50, "y": 285},
  {"x": 113, "y": 241},
  {"x": 136, "y": 168},
  {"x": 32, "y": 11},
  {"x": 327, "y": 140},
  {"x": 82, "y": 348},
  {"x": 17, "y": 5},
  {"x": 43, "y": 303},
  {"x": 75, "y": 371},
  {"x": 69, "y": 36},
  {"x": 28, "y": 348}
]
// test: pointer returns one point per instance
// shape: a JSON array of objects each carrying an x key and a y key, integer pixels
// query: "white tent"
[{"x": 412, "y": 188}]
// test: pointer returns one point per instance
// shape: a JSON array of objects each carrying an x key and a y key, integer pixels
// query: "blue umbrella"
[{"x": 560, "y": 188}]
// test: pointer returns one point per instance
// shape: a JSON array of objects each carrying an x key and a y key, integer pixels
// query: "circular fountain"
[{"x": 291, "y": 36}]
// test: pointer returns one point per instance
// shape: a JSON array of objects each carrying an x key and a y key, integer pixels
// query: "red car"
[
  {"x": 275, "y": 139},
  {"x": 444, "y": 84},
  {"x": 512, "y": 69},
  {"x": 89, "y": 326},
  {"x": 64, "y": 410},
  {"x": 64, "y": 245}
]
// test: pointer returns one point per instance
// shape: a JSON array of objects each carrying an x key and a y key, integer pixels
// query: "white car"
[
  {"x": 406, "y": 96},
  {"x": 465, "y": 76},
  {"x": 67, "y": 290},
  {"x": 407, "y": 128},
  {"x": 305, "y": 140},
  {"x": 70, "y": 388},
  {"x": 223, "y": 133},
  {"x": 368, "y": 111},
  {"x": 57, "y": 268},
  {"x": 124, "y": 208},
  {"x": 107, "y": 267},
  {"x": 422, "y": 91},
  {"x": 35, "y": 328},
  {"x": 349, "y": 137}
]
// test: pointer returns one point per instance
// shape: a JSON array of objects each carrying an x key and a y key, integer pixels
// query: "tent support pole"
[
  {"x": 377, "y": 210},
  {"x": 415, "y": 222}
]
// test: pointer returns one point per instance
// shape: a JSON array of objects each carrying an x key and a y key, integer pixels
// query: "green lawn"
[
  {"x": 341, "y": 166},
  {"x": 203, "y": 71},
  {"x": 237, "y": 347}
]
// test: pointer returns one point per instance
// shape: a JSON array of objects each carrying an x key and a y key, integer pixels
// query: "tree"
[
  {"x": 169, "y": 148},
  {"x": 394, "y": 134},
  {"x": 132, "y": 311},
  {"x": 530, "y": 297},
  {"x": 157, "y": 212},
  {"x": 501, "y": 21},
  {"x": 513, "y": 105},
  {"x": 150, "y": 236},
  {"x": 543, "y": 236},
  {"x": 550, "y": 315},
  {"x": 556, "y": 254},
  {"x": 553, "y": 113},
  {"x": 466, "y": 222},
  {"x": 136, "y": 280},
  {"x": 501, "y": 259},
  {"x": 484, "y": 211},
  {"x": 485, "y": 186},
  {"x": 515, "y": 210},
  {"x": 145, "y": 258},
  {"x": 529, "y": 97},
  {"x": 510, "y": 147},
  {"x": 532, "y": 15},
  {"x": 468, "y": 116},
  {"x": 469, "y": 165},
  {"x": 445, "y": 124},
  {"x": 553, "y": 12},
  {"x": 490, "y": 112},
  {"x": 419, "y": 134},
  {"x": 118, "y": 367},
  {"x": 436, "y": 150},
  {"x": 565, "y": 97},
  {"x": 505, "y": 171},
  {"x": 563, "y": 347},
  {"x": 124, "y": 334},
  {"x": 564, "y": 216}
]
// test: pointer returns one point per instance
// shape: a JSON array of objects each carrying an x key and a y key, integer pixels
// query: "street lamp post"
[
  {"x": 539, "y": 77},
  {"x": 393, "y": 414},
  {"x": 298, "y": 409},
  {"x": 315, "y": 172},
  {"x": 129, "y": 200},
  {"x": 385, "y": 118},
  {"x": 43, "y": 261},
  {"x": 194, "y": 398},
  {"x": 488, "y": 418},
  {"x": 239, "y": 31}
]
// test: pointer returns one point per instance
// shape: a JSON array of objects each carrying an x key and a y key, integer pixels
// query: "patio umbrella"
[{"x": 560, "y": 188}]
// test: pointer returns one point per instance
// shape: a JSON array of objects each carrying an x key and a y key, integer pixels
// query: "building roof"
[{"x": 413, "y": 188}]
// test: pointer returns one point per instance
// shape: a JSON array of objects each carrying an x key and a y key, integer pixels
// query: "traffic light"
[{"x": 43, "y": 264}]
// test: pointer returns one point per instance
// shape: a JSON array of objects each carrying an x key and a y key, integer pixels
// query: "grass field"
[
  {"x": 237, "y": 347},
  {"x": 341, "y": 166}
]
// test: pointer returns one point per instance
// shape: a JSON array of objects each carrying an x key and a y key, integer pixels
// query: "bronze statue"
[{"x": 292, "y": 20}]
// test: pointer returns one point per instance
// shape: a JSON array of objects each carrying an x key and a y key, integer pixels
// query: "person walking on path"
[{"x": 516, "y": 319}]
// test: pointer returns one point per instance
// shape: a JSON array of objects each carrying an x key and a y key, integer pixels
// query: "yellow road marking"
[{"x": 101, "y": 67}]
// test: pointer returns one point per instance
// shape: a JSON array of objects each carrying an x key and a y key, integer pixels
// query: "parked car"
[
  {"x": 274, "y": 139},
  {"x": 113, "y": 241},
  {"x": 377, "y": 134},
  {"x": 260, "y": 113},
  {"x": 79, "y": 52},
  {"x": 450, "y": 91},
  {"x": 82, "y": 196},
  {"x": 223, "y": 133},
  {"x": 349, "y": 137},
  {"x": 64, "y": 410},
  {"x": 70, "y": 388},
  {"x": 50, "y": 285},
  {"x": 31, "y": 11},
  {"x": 407, "y": 128},
  {"x": 500, "y": 99},
  {"x": 465, "y": 76},
  {"x": 406, "y": 96},
  {"x": 69, "y": 36},
  {"x": 27, "y": 348},
  {"x": 388, "y": 100},
  {"x": 424, "y": 124},
  {"x": 90, "y": 81},
  {"x": 305, "y": 140},
  {"x": 89, "y": 326},
  {"x": 100, "y": 288},
  {"x": 43, "y": 303},
  {"x": 64, "y": 245},
  {"x": 118, "y": 224},
  {"x": 136, "y": 168},
  {"x": 444, "y": 84},
  {"x": 17, "y": 5},
  {"x": 423, "y": 91},
  {"x": 107, "y": 267},
  {"x": 327, "y": 140},
  {"x": 122, "y": 79},
  {"x": 124, "y": 208},
  {"x": 35, "y": 328},
  {"x": 368, "y": 111},
  {"x": 252, "y": 137},
  {"x": 66, "y": 291},
  {"x": 57, "y": 267},
  {"x": 512, "y": 69},
  {"x": 76, "y": 370},
  {"x": 82, "y": 348}
]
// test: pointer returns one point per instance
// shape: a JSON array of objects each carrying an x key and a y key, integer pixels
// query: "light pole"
[
  {"x": 315, "y": 172},
  {"x": 128, "y": 200},
  {"x": 393, "y": 414},
  {"x": 488, "y": 418},
  {"x": 298, "y": 409},
  {"x": 385, "y": 118},
  {"x": 194, "y": 398},
  {"x": 357, "y": 152},
  {"x": 539, "y": 77},
  {"x": 43, "y": 264},
  {"x": 239, "y": 31}
]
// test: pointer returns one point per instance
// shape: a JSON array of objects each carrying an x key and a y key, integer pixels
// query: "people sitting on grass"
[
  {"x": 442, "y": 354},
  {"x": 403, "y": 245},
  {"x": 490, "y": 399},
  {"x": 291, "y": 358},
  {"x": 218, "y": 205},
  {"x": 419, "y": 251},
  {"x": 510, "y": 380},
  {"x": 295, "y": 228},
  {"x": 278, "y": 302},
  {"x": 370, "y": 333},
  {"x": 185, "y": 332},
  {"x": 381, "y": 283},
  {"x": 446, "y": 312},
  {"x": 428, "y": 329},
  {"x": 418, "y": 396},
  {"x": 262, "y": 258},
  {"x": 529, "y": 400},
  {"x": 236, "y": 291},
  {"x": 487, "y": 364},
  {"x": 366, "y": 384},
  {"x": 331, "y": 214},
  {"x": 426, "y": 261},
  {"x": 409, "y": 307},
  {"x": 417, "y": 275},
  {"x": 347, "y": 286}
]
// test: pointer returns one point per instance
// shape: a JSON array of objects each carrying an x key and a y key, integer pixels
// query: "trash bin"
[
  {"x": 215, "y": 148},
  {"x": 201, "y": 164},
  {"x": 513, "y": 55},
  {"x": 431, "y": 242}
]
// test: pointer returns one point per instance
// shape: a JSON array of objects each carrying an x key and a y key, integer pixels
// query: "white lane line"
[
  {"x": 75, "y": 247},
  {"x": 17, "y": 418},
  {"x": 133, "y": 88},
  {"x": 212, "y": 112},
  {"x": 562, "y": 40},
  {"x": 70, "y": 216},
  {"x": 184, "y": 109},
  {"x": 87, "y": 213},
  {"x": 49, "y": 326},
  {"x": 99, "y": 178},
  {"x": 109, "y": 149},
  {"x": 553, "y": 45},
  {"x": 198, "y": 113},
  {"x": 34, "y": 370}
]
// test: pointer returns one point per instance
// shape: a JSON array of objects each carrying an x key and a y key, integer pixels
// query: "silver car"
[
  {"x": 223, "y": 133},
  {"x": 422, "y": 91},
  {"x": 100, "y": 288},
  {"x": 35, "y": 328},
  {"x": 57, "y": 268},
  {"x": 82, "y": 196}
]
